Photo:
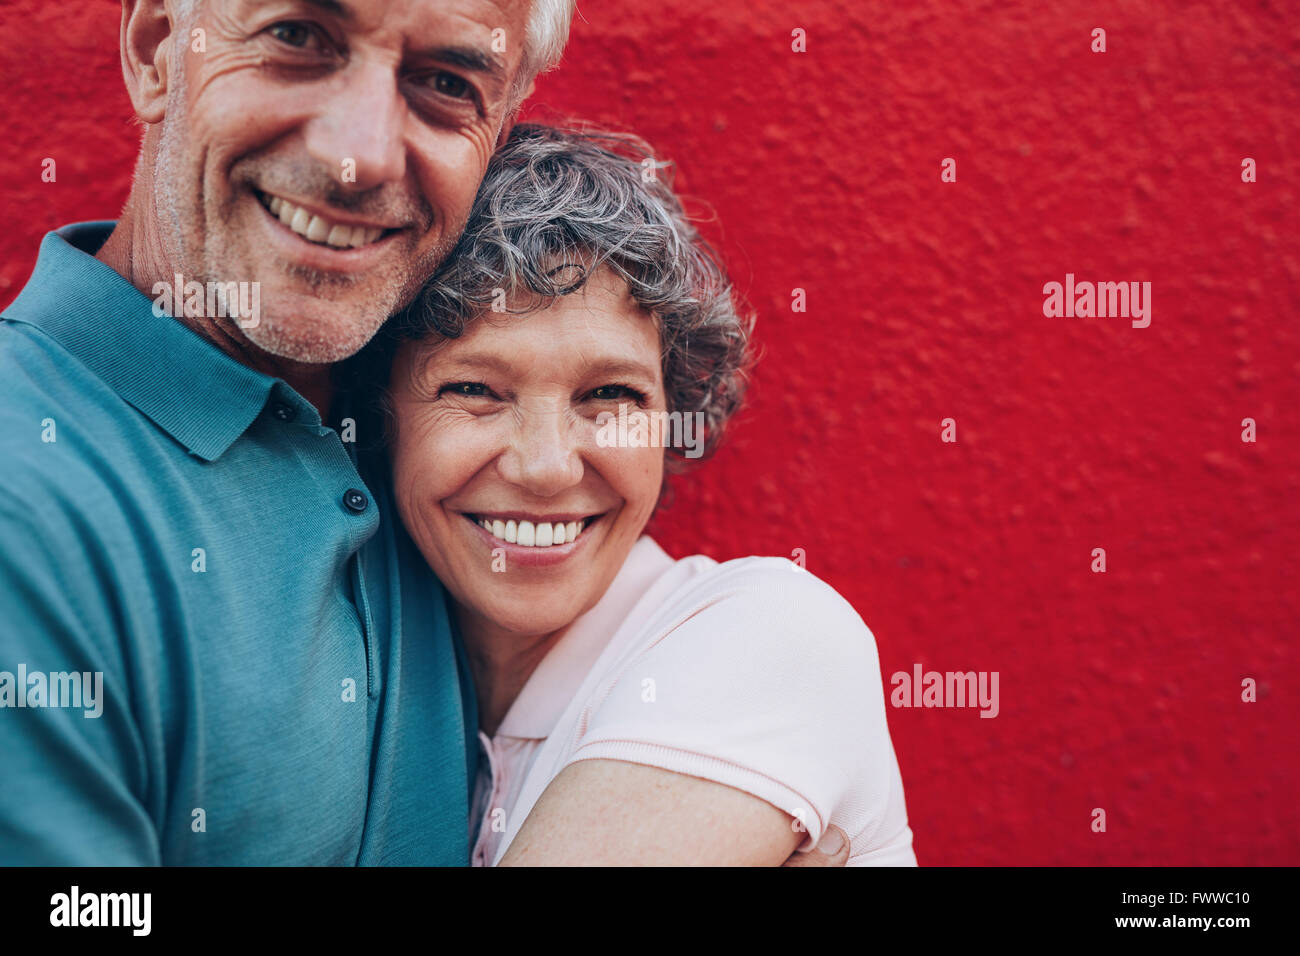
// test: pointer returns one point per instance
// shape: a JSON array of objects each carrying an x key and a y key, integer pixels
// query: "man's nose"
[
  {"x": 358, "y": 133},
  {"x": 543, "y": 457}
]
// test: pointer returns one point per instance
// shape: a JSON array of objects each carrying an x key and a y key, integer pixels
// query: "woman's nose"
[{"x": 543, "y": 455}]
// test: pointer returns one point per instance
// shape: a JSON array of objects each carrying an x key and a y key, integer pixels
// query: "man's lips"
[{"x": 325, "y": 228}]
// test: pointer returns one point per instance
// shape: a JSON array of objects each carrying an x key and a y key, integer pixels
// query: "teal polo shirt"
[{"x": 278, "y": 680}]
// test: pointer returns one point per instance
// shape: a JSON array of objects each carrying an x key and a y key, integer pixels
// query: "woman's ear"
[{"x": 147, "y": 46}]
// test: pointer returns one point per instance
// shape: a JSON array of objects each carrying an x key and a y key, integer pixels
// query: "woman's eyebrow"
[
  {"x": 613, "y": 366},
  {"x": 617, "y": 367},
  {"x": 474, "y": 361}
]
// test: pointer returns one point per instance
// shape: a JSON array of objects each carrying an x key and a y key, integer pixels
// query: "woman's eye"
[
  {"x": 465, "y": 390},
  {"x": 449, "y": 84},
  {"x": 612, "y": 393},
  {"x": 294, "y": 34}
]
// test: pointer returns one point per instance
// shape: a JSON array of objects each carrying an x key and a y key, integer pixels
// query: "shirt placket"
[{"x": 484, "y": 847}]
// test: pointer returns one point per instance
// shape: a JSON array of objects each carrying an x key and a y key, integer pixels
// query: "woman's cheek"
[
  {"x": 419, "y": 461},
  {"x": 458, "y": 446},
  {"x": 635, "y": 474},
  {"x": 653, "y": 482}
]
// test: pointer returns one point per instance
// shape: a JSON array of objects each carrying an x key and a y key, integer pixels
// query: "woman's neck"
[{"x": 501, "y": 662}]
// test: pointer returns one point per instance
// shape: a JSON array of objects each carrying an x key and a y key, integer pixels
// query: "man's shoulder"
[
  {"x": 62, "y": 431},
  {"x": 37, "y": 373}
]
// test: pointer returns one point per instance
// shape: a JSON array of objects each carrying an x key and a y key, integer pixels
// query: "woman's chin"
[{"x": 527, "y": 617}]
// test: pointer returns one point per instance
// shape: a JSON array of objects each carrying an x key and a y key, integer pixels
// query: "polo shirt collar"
[
  {"x": 186, "y": 385},
  {"x": 552, "y": 686}
]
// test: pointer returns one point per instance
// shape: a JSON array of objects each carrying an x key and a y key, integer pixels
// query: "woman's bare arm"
[{"x": 614, "y": 813}]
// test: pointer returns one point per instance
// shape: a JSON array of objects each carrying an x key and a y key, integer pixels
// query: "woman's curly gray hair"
[{"x": 558, "y": 204}]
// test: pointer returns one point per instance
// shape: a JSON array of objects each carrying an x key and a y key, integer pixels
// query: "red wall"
[{"x": 1119, "y": 690}]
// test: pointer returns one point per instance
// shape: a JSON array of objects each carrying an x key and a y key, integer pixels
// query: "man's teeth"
[
  {"x": 317, "y": 229},
  {"x": 543, "y": 534}
]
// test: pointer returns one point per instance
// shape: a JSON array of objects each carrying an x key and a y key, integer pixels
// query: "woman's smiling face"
[{"x": 499, "y": 427}]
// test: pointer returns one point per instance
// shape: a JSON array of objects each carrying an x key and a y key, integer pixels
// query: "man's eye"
[
  {"x": 465, "y": 390},
  {"x": 449, "y": 84},
  {"x": 294, "y": 34}
]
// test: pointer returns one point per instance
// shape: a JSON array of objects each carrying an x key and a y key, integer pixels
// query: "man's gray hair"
[
  {"x": 547, "y": 34},
  {"x": 557, "y": 205}
]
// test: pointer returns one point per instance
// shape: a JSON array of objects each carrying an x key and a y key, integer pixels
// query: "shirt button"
[
  {"x": 283, "y": 411},
  {"x": 355, "y": 501}
]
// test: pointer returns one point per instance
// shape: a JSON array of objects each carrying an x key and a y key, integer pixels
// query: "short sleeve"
[
  {"x": 71, "y": 775},
  {"x": 766, "y": 680}
]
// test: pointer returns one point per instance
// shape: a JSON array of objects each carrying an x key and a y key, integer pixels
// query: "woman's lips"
[
  {"x": 539, "y": 532},
  {"x": 532, "y": 555}
]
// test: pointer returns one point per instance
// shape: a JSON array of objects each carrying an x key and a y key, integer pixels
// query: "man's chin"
[{"x": 312, "y": 340}]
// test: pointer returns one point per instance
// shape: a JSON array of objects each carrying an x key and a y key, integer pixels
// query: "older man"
[{"x": 184, "y": 520}]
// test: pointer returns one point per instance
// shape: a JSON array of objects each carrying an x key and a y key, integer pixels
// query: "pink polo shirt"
[{"x": 751, "y": 673}]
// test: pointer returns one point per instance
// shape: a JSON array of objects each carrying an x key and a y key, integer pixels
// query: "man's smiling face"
[{"x": 329, "y": 150}]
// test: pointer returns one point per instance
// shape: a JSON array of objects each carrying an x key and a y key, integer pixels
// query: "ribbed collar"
[{"x": 185, "y": 384}]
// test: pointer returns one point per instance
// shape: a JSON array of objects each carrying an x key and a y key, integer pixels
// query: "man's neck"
[{"x": 137, "y": 254}]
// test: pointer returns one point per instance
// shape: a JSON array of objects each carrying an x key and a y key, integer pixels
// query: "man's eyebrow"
[
  {"x": 334, "y": 7},
  {"x": 466, "y": 57},
  {"x": 471, "y": 58}
]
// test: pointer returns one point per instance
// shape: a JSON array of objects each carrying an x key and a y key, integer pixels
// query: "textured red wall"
[{"x": 924, "y": 301}]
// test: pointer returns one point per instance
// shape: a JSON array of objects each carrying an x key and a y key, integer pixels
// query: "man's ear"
[
  {"x": 512, "y": 117},
  {"x": 148, "y": 45}
]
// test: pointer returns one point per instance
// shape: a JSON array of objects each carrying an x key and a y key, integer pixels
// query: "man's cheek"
[{"x": 451, "y": 187}]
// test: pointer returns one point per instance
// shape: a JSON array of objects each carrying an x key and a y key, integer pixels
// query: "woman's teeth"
[
  {"x": 543, "y": 534},
  {"x": 317, "y": 229}
]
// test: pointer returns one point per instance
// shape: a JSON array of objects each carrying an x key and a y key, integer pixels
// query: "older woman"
[{"x": 714, "y": 713}]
